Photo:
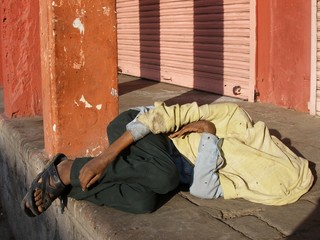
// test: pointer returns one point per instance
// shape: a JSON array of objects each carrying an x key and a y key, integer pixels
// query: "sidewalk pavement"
[{"x": 183, "y": 216}]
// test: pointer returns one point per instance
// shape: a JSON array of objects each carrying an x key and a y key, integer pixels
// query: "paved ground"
[
  {"x": 300, "y": 132},
  {"x": 186, "y": 217}
]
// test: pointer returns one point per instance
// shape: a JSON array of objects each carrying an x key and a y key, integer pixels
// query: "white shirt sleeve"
[
  {"x": 137, "y": 129},
  {"x": 206, "y": 182}
]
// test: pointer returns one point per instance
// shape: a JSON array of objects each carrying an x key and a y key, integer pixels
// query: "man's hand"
[
  {"x": 91, "y": 172},
  {"x": 198, "y": 127}
]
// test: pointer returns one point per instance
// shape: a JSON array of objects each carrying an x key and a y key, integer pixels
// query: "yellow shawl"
[{"x": 259, "y": 167}]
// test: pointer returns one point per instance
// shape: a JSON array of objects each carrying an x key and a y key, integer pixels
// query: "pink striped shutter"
[
  {"x": 203, "y": 44},
  {"x": 318, "y": 61}
]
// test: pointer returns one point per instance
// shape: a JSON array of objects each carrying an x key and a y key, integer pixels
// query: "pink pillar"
[
  {"x": 20, "y": 58},
  {"x": 79, "y": 74}
]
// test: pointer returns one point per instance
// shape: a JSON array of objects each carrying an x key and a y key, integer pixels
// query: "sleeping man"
[{"x": 215, "y": 148}]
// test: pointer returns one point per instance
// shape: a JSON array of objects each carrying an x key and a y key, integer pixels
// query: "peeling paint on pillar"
[
  {"x": 114, "y": 92},
  {"x": 79, "y": 25},
  {"x": 83, "y": 69},
  {"x": 20, "y": 58},
  {"x": 86, "y": 103}
]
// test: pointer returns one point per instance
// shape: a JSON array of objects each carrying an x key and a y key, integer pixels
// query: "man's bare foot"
[{"x": 38, "y": 200}]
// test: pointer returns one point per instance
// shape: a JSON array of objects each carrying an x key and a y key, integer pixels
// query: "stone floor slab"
[
  {"x": 254, "y": 228},
  {"x": 288, "y": 219}
]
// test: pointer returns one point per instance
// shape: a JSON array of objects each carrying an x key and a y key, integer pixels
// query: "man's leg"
[{"x": 134, "y": 180}]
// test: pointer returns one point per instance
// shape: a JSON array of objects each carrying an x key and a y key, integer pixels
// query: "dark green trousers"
[{"x": 137, "y": 178}]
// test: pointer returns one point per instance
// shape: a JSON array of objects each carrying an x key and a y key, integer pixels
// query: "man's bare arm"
[
  {"x": 93, "y": 170},
  {"x": 198, "y": 126}
]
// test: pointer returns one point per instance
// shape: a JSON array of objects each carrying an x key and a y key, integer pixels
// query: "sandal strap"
[{"x": 51, "y": 192}]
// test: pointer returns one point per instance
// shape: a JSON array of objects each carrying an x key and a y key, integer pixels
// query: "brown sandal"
[{"x": 48, "y": 192}]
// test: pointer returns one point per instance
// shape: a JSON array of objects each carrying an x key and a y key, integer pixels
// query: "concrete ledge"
[{"x": 22, "y": 157}]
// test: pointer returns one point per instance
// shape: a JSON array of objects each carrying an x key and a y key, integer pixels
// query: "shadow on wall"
[
  {"x": 149, "y": 20},
  {"x": 208, "y": 42},
  {"x": 208, "y": 45}
]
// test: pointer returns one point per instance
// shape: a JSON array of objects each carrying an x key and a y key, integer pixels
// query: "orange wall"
[
  {"x": 20, "y": 52},
  {"x": 283, "y": 52},
  {"x": 1, "y": 69}
]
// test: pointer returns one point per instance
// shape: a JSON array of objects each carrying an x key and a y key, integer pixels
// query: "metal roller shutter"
[
  {"x": 206, "y": 44},
  {"x": 318, "y": 61}
]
